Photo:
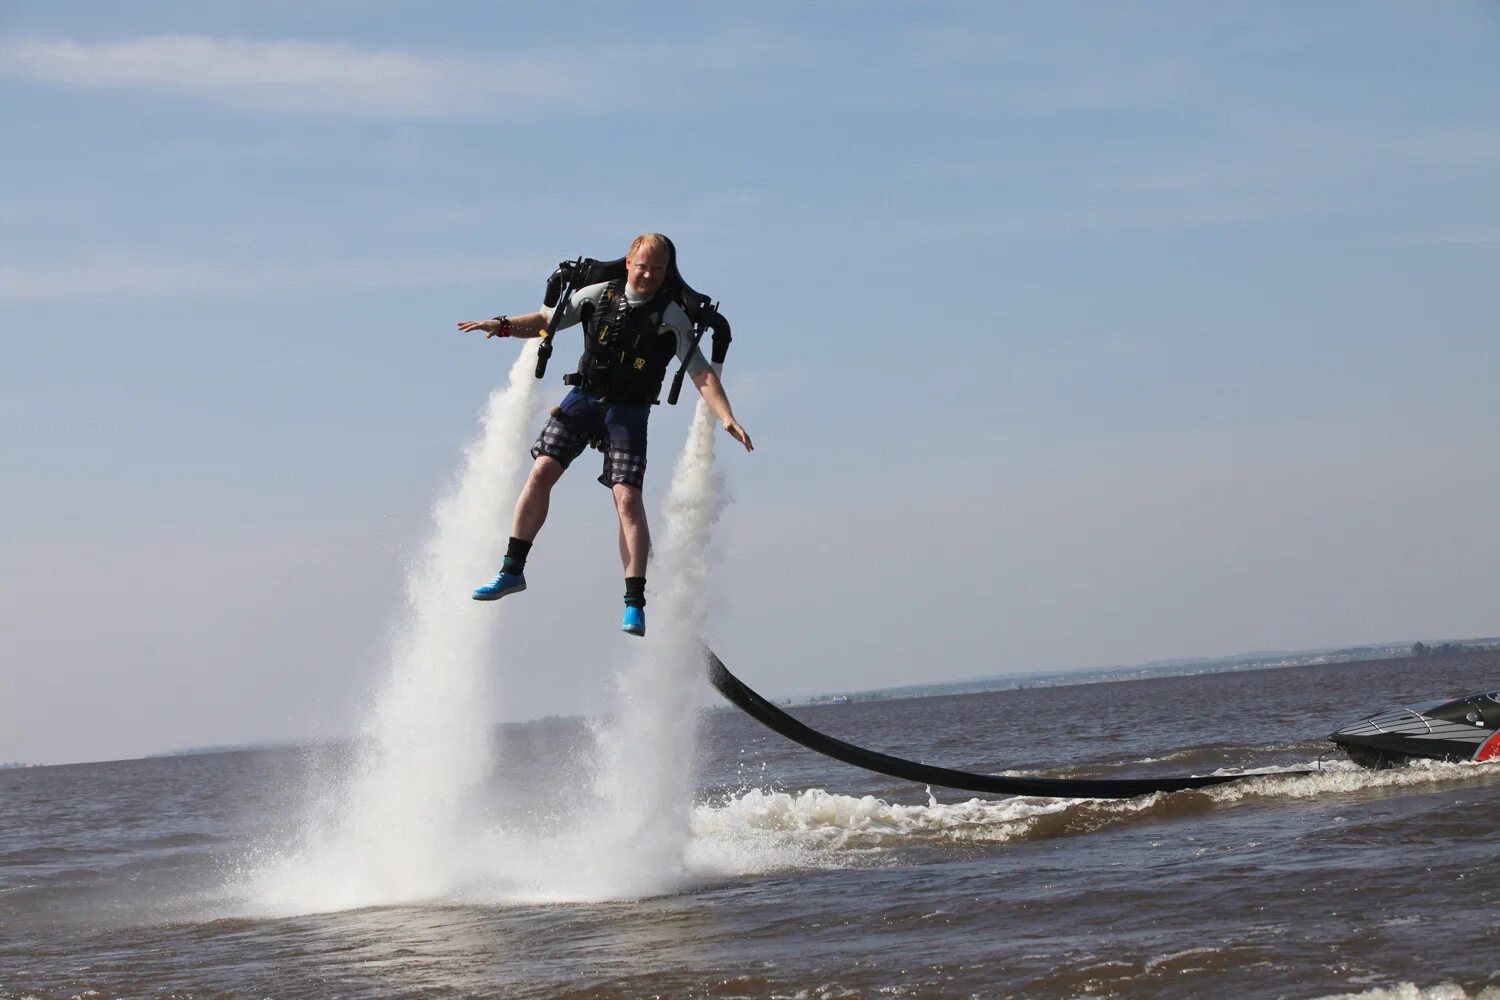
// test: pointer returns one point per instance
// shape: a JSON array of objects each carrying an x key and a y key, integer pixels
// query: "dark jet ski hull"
[{"x": 1465, "y": 728}]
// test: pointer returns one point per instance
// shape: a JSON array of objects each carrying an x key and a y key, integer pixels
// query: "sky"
[{"x": 1069, "y": 335}]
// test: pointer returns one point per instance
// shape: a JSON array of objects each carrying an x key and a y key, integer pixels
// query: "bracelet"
[{"x": 504, "y": 325}]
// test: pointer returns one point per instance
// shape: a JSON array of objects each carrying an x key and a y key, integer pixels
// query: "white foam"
[
  {"x": 755, "y": 832},
  {"x": 406, "y": 828},
  {"x": 649, "y": 748},
  {"x": 633, "y": 833},
  {"x": 1344, "y": 776},
  {"x": 397, "y": 831},
  {"x": 1411, "y": 991},
  {"x": 761, "y": 831}
]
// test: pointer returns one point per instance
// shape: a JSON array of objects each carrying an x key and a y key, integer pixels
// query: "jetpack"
[{"x": 703, "y": 312}]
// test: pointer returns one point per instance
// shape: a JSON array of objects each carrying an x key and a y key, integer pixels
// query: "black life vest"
[{"x": 625, "y": 350}]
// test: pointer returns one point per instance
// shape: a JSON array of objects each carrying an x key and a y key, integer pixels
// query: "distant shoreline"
[
  {"x": 1161, "y": 668},
  {"x": 1002, "y": 682}
]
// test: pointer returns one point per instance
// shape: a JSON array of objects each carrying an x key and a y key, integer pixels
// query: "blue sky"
[{"x": 1068, "y": 334}]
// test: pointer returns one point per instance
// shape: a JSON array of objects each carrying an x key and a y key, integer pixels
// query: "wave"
[
  {"x": 759, "y": 831},
  {"x": 1411, "y": 991}
]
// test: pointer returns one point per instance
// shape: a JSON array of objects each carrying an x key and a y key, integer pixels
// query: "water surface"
[{"x": 805, "y": 877}]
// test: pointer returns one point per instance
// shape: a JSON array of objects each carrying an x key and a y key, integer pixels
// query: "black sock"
[
  {"x": 515, "y": 555},
  {"x": 635, "y": 591}
]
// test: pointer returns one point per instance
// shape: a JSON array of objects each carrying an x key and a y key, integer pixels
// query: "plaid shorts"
[{"x": 617, "y": 430}]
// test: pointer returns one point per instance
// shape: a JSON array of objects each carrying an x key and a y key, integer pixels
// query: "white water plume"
[
  {"x": 393, "y": 833},
  {"x": 633, "y": 836},
  {"x": 406, "y": 830},
  {"x": 648, "y": 749}
]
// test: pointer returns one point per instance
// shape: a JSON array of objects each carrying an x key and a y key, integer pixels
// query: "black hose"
[{"x": 764, "y": 712}]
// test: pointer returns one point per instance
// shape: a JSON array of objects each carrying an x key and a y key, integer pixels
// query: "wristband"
[{"x": 504, "y": 326}]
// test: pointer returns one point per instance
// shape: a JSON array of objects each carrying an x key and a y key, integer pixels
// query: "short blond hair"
[{"x": 654, "y": 239}]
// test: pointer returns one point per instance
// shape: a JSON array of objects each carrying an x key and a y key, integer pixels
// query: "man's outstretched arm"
[
  {"x": 530, "y": 325},
  {"x": 712, "y": 390}
]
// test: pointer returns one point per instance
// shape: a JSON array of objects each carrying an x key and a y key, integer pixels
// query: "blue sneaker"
[
  {"x": 635, "y": 620},
  {"x": 503, "y": 583}
]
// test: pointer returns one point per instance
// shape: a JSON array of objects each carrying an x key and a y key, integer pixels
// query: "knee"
[
  {"x": 545, "y": 473},
  {"x": 629, "y": 504}
]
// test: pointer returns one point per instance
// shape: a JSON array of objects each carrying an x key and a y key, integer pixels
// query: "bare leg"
[
  {"x": 635, "y": 536},
  {"x": 536, "y": 497}
]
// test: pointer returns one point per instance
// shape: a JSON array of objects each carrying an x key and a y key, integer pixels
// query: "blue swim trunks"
[{"x": 617, "y": 430}]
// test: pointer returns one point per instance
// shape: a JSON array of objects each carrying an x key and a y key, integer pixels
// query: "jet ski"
[{"x": 1465, "y": 728}]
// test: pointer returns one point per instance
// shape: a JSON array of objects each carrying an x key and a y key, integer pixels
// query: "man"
[{"x": 633, "y": 330}]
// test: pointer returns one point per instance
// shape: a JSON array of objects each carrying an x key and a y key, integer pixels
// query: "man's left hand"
[{"x": 738, "y": 433}]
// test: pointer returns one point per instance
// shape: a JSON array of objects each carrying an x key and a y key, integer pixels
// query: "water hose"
[{"x": 766, "y": 713}]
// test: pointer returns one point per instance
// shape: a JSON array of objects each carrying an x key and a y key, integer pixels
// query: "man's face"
[{"x": 646, "y": 269}]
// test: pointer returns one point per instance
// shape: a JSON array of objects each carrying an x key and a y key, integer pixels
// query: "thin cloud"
[
  {"x": 123, "y": 275},
  {"x": 1287, "y": 172},
  {"x": 1190, "y": 213},
  {"x": 31, "y": 207},
  {"x": 273, "y": 76},
  {"x": 1471, "y": 237},
  {"x": 301, "y": 77},
  {"x": 1291, "y": 157},
  {"x": 1457, "y": 144}
]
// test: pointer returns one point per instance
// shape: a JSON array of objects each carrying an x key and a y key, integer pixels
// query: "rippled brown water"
[{"x": 818, "y": 880}]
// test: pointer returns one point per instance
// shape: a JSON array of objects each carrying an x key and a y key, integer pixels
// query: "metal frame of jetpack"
[
  {"x": 764, "y": 712},
  {"x": 571, "y": 275}
]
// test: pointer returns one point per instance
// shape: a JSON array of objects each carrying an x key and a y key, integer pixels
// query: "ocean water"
[{"x": 796, "y": 876}]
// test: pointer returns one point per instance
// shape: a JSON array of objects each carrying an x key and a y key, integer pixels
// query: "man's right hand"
[{"x": 490, "y": 327}]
